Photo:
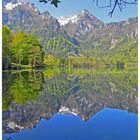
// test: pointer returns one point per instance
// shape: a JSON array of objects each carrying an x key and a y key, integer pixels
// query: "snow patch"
[
  {"x": 10, "y": 5},
  {"x": 13, "y": 125},
  {"x": 66, "y": 20},
  {"x": 65, "y": 110},
  {"x": 84, "y": 12}
]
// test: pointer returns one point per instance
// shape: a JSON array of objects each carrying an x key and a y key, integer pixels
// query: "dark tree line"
[{"x": 113, "y": 4}]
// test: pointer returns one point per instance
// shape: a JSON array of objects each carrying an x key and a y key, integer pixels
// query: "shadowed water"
[{"x": 72, "y": 104}]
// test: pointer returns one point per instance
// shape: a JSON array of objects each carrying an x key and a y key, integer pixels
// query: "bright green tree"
[
  {"x": 26, "y": 50},
  {"x": 17, "y": 47},
  {"x": 6, "y": 38}
]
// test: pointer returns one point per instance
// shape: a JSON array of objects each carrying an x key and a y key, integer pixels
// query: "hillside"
[{"x": 60, "y": 47}]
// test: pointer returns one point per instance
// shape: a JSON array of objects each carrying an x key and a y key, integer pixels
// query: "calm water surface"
[{"x": 74, "y": 104}]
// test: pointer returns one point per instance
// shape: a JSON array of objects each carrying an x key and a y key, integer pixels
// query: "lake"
[{"x": 70, "y": 104}]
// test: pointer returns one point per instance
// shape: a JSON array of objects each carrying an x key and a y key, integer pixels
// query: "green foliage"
[
  {"x": 58, "y": 51},
  {"x": 128, "y": 53},
  {"x": 125, "y": 81},
  {"x": 7, "y": 97},
  {"x": 60, "y": 47},
  {"x": 52, "y": 61},
  {"x": 6, "y": 38},
  {"x": 17, "y": 47},
  {"x": 20, "y": 50},
  {"x": 20, "y": 87},
  {"x": 25, "y": 89},
  {"x": 60, "y": 85},
  {"x": 122, "y": 53},
  {"x": 25, "y": 50},
  {"x": 105, "y": 82},
  {"x": 83, "y": 62},
  {"x": 5, "y": 35}
]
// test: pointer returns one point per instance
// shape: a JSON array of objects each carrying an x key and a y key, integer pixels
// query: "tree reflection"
[
  {"x": 32, "y": 95},
  {"x": 20, "y": 87}
]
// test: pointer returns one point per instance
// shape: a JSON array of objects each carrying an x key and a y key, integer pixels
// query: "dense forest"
[{"x": 22, "y": 50}]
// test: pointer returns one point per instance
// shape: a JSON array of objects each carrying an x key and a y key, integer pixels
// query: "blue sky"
[{"x": 71, "y": 7}]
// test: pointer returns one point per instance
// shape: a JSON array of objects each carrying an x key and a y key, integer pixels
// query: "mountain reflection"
[{"x": 29, "y": 96}]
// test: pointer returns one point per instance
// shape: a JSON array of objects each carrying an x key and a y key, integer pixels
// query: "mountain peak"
[
  {"x": 84, "y": 11},
  {"x": 81, "y": 23},
  {"x": 75, "y": 18},
  {"x": 46, "y": 14},
  {"x": 11, "y": 4}
]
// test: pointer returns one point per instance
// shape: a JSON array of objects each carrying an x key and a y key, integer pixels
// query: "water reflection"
[
  {"x": 30, "y": 96},
  {"x": 20, "y": 87}
]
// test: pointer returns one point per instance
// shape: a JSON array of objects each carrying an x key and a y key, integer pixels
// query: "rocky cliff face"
[
  {"x": 110, "y": 33},
  {"x": 80, "y": 24},
  {"x": 24, "y": 16}
]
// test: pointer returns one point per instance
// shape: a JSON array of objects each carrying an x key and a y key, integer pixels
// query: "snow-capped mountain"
[
  {"x": 71, "y": 19},
  {"x": 80, "y": 24},
  {"x": 66, "y": 20}
]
